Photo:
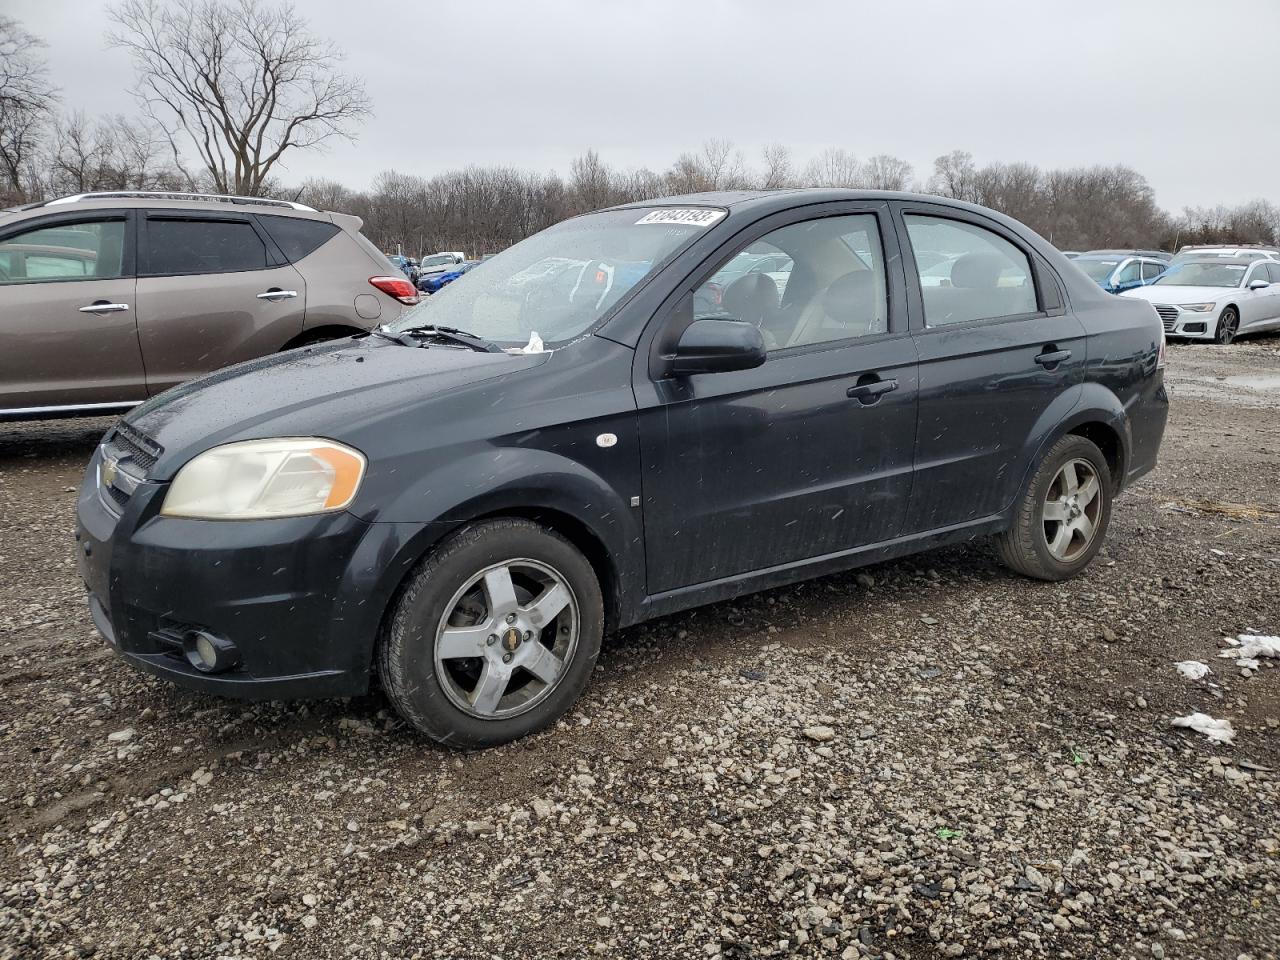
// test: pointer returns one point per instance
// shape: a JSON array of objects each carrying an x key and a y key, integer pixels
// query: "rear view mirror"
[
  {"x": 1258, "y": 284},
  {"x": 718, "y": 346}
]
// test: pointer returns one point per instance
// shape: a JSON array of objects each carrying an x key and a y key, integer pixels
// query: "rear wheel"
[
  {"x": 1228, "y": 326},
  {"x": 1061, "y": 517},
  {"x": 495, "y": 635}
]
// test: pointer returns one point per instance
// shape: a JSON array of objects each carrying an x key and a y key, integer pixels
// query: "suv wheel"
[
  {"x": 495, "y": 635},
  {"x": 1061, "y": 518}
]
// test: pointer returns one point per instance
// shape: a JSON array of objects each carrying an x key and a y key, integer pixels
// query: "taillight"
[
  {"x": 397, "y": 287},
  {"x": 1160, "y": 359}
]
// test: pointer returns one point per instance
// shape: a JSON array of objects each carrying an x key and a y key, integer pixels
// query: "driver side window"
[{"x": 818, "y": 281}]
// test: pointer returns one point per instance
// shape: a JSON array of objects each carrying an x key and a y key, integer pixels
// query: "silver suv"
[{"x": 109, "y": 298}]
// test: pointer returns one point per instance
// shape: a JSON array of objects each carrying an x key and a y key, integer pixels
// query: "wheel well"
[
  {"x": 1108, "y": 441},
  {"x": 320, "y": 334}
]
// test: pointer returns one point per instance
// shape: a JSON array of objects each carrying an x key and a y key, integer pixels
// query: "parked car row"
[
  {"x": 1205, "y": 292},
  {"x": 107, "y": 299}
]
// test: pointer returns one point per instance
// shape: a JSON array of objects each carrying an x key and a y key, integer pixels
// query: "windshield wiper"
[
  {"x": 399, "y": 338},
  {"x": 451, "y": 334}
]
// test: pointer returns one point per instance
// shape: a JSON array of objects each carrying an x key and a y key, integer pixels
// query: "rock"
[
  {"x": 819, "y": 734},
  {"x": 121, "y": 736}
]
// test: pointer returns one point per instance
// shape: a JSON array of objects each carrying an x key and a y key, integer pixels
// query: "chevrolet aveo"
[{"x": 597, "y": 427}]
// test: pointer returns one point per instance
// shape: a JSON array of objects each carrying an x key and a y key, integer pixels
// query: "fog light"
[{"x": 208, "y": 652}]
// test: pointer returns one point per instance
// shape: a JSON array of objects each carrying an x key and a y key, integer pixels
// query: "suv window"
[
  {"x": 1273, "y": 271},
  {"x": 981, "y": 275},
  {"x": 1152, "y": 269},
  {"x": 1259, "y": 271},
  {"x": 813, "y": 282},
  {"x": 202, "y": 246},
  {"x": 78, "y": 251},
  {"x": 1132, "y": 271},
  {"x": 296, "y": 237}
]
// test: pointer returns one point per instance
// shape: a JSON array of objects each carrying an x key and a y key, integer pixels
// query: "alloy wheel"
[
  {"x": 1228, "y": 323},
  {"x": 506, "y": 639},
  {"x": 1072, "y": 509}
]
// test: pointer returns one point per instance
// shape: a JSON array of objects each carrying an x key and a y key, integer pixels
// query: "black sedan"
[{"x": 579, "y": 438}]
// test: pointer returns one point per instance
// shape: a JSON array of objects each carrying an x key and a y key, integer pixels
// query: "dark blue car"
[{"x": 432, "y": 283}]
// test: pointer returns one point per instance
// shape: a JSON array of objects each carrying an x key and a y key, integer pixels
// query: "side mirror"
[
  {"x": 717, "y": 346},
  {"x": 1258, "y": 284}
]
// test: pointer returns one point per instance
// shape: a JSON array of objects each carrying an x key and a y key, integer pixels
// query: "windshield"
[
  {"x": 1202, "y": 274},
  {"x": 562, "y": 281},
  {"x": 438, "y": 261},
  {"x": 1098, "y": 270}
]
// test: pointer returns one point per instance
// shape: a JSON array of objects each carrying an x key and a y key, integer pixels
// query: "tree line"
[
  {"x": 227, "y": 88},
  {"x": 481, "y": 209}
]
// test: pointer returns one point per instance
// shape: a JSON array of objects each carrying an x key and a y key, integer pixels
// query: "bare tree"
[
  {"x": 244, "y": 81},
  {"x": 777, "y": 171},
  {"x": 885, "y": 172},
  {"x": 27, "y": 99},
  {"x": 833, "y": 167},
  {"x": 955, "y": 176}
]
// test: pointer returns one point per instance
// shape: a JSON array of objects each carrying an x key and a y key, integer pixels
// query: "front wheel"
[
  {"x": 494, "y": 636},
  {"x": 1228, "y": 326},
  {"x": 1061, "y": 517}
]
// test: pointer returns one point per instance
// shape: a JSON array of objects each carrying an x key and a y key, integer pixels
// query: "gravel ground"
[{"x": 925, "y": 758}]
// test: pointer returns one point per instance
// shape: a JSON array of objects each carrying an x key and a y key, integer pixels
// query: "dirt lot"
[{"x": 926, "y": 758}]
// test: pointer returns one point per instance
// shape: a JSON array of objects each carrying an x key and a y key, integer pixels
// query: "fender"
[
  {"x": 1094, "y": 403},
  {"x": 528, "y": 481}
]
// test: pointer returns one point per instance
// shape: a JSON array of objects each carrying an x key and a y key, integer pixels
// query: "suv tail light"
[
  {"x": 397, "y": 287},
  {"x": 1160, "y": 359}
]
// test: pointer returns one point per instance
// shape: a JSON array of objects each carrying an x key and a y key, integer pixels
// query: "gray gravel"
[{"x": 926, "y": 758}]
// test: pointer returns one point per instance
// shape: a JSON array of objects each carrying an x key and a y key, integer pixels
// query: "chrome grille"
[
  {"x": 132, "y": 446},
  {"x": 1168, "y": 315}
]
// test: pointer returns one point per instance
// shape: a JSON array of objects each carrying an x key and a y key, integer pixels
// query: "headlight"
[
  {"x": 256, "y": 479},
  {"x": 1197, "y": 307}
]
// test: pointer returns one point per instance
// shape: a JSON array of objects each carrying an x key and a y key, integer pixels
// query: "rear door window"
[
  {"x": 1273, "y": 272},
  {"x": 1151, "y": 269},
  {"x": 79, "y": 251},
  {"x": 177, "y": 246},
  {"x": 972, "y": 273}
]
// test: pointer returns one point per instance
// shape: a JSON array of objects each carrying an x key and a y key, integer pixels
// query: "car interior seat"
[
  {"x": 850, "y": 306},
  {"x": 752, "y": 297}
]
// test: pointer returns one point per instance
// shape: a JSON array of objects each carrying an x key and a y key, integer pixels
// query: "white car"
[
  {"x": 1215, "y": 298},
  {"x": 440, "y": 262}
]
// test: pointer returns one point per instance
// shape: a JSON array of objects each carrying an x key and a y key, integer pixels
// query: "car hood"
[
  {"x": 333, "y": 390},
  {"x": 1166, "y": 294}
]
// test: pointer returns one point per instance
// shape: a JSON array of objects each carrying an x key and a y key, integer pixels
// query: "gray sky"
[{"x": 1182, "y": 90}]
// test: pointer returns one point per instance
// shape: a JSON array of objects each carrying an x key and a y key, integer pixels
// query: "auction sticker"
[{"x": 692, "y": 217}]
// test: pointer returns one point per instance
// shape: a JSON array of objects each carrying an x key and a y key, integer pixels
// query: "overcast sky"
[{"x": 1185, "y": 91}]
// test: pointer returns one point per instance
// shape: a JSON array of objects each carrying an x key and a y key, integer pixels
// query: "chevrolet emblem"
[{"x": 110, "y": 467}]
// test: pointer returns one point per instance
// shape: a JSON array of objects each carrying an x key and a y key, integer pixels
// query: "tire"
[
  {"x": 547, "y": 616},
  {"x": 1047, "y": 540},
  {"x": 1228, "y": 327}
]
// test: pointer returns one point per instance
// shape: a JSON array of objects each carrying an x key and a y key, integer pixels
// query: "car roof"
[{"x": 162, "y": 200}]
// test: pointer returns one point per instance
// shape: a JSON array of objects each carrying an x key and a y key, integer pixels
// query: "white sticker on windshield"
[{"x": 692, "y": 217}]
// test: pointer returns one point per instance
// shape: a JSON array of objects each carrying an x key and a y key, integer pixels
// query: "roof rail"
[{"x": 177, "y": 195}]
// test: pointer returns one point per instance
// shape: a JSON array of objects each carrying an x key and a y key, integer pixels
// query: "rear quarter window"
[{"x": 296, "y": 237}]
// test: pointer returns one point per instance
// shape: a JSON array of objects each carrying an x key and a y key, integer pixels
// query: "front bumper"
[
  {"x": 301, "y": 598},
  {"x": 1187, "y": 324}
]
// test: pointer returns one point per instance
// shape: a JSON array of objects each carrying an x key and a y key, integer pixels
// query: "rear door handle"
[
  {"x": 102, "y": 306},
  {"x": 1052, "y": 358},
  {"x": 275, "y": 295},
  {"x": 870, "y": 392}
]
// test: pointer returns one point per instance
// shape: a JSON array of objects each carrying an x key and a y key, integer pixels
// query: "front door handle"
[
  {"x": 275, "y": 295},
  {"x": 871, "y": 391},
  {"x": 1051, "y": 358},
  {"x": 103, "y": 306}
]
